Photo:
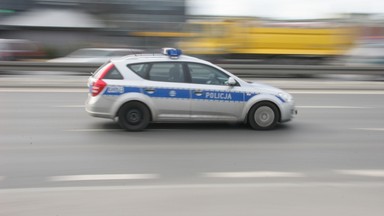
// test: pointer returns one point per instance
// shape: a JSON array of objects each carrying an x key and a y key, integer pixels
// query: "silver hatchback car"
[{"x": 170, "y": 87}]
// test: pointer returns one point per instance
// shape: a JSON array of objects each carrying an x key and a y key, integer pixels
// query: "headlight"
[{"x": 285, "y": 96}]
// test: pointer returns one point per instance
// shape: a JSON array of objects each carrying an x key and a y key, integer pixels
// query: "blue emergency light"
[{"x": 172, "y": 52}]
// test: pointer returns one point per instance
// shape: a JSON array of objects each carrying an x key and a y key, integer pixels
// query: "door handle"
[
  {"x": 198, "y": 92},
  {"x": 150, "y": 90}
]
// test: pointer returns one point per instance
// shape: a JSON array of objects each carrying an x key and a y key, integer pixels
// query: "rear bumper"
[
  {"x": 98, "y": 114},
  {"x": 93, "y": 108}
]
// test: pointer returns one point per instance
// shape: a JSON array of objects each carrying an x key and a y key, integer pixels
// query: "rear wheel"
[
  {"x": 134, "y": 116},
  {"x": 263, "y": 116}
]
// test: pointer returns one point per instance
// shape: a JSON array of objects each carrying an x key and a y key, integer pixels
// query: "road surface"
[{"x": 57, "y": 160}]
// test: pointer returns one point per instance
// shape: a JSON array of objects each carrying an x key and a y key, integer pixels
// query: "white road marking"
[
  {"x": 369, "y": 129},
  {"x": 69, "y": 106},
  {"x": 341, "y": 92},
  {"x": 333, "y": 107},
  {"x": 44, "y": 90},
  {"x": 262, "y": 174},
  {"x": 103, "y": 177},
  {"x": 93, "y": 130},
  {"x": 199, "y": 186},
  {"x": 370, "y": 173}
]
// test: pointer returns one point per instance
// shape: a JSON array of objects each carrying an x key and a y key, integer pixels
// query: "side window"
[
  {"x": 113, "y": 74},
  {"x": 204, "y": 74},
  {"x": 108, "y": 71},
  {"x": 166, "y": 72},
  {"x": 140, "y": 69}
]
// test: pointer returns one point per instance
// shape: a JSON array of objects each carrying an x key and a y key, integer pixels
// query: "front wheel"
[
  {"x": 263, "y": 116},
  {"x": 134, "y": 116}
]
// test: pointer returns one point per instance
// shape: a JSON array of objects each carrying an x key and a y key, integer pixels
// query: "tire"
[
  {"x": 134, "y": 116},
  {"x": 263, "y": 116}
]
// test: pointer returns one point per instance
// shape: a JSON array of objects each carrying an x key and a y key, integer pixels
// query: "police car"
[{"x": 137, "y": 90}]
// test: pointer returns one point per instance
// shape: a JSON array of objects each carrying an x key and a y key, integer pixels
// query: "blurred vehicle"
[
  {"x": 269, "y": 41},
  {"x": 17, "y": 49},
  {"x": 171, "y": 87},
  {"x": 95, "y": 55},
  {"x": 364, "y": 54}
]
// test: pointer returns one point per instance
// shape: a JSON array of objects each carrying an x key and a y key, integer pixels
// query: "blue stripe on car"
[
  {"x": 181, "y": 93},
  {"x": 168, "y": 93}
]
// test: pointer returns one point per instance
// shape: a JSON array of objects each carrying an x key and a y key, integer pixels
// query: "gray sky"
[{"x": 285, "y": 9}]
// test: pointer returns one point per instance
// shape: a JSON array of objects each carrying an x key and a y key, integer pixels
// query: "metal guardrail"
[
  {"x": 80, "y": 68},
  {"x": 299, "y": 70},
  {"x": 248, "y": 70}
]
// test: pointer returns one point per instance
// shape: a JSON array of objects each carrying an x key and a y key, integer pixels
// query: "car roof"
[{"x": 139, "y": 58}]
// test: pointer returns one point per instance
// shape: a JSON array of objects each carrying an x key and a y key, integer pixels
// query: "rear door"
[{"x": 166, "y": 88}]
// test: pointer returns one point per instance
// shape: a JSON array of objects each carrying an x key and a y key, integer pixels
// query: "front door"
[{"x": 211, "y": 98}]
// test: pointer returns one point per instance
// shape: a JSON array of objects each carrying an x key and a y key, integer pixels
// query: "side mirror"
[{"x": 231, "y": 81}]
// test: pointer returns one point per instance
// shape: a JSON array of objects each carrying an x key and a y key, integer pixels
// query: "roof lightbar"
[{"x": 172, "y": 52}]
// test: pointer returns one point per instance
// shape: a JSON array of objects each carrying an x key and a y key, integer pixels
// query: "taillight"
[{"x": 98, "y": 87}]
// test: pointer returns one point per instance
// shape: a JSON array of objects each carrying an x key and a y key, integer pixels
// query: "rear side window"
[
  {"x": 167, "y": 72},
  {"x": 113, "y": 74},
  {"x": 160, "y": 71},
  {"x": 140, "y": 69}
]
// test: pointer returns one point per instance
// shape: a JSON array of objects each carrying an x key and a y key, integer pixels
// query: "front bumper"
[{"x": 288, "y": 111}]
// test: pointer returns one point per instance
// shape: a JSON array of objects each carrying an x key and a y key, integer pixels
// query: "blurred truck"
[{"x": 269, "y": 42}]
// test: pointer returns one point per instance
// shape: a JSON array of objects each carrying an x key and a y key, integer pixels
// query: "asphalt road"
[{"x": 57, "y": 160}]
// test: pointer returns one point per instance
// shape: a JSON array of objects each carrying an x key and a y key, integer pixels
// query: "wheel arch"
[
  {"x": 137, "y": 101},
  {"x": 134, "y": 97},
  {"x": 256, "y": 101}
]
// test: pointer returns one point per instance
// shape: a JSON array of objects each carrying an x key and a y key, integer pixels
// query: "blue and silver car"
[{"x": 137, "y": 90}]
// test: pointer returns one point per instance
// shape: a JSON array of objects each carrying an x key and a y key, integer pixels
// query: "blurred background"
[
  {"x": 267, "y": 32},
  {"x": 57, "y": 160}
]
